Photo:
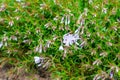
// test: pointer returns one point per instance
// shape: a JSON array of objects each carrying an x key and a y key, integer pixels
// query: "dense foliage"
[{"x": 31, "y": 28}]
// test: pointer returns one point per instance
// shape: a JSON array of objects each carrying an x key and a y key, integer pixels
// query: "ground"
[{"x": 7, "y": 74}]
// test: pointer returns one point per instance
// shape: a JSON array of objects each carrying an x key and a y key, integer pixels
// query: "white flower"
[
  {"x": 39, "y": 48},
  {"x": 82, "y": 44},
  {"x": 67, "y": 19},
  {"x": 69, "y": 39},
  {"x": 104, "y": 54},
  {"x": 11, "y": 23},
  {"x": 37, "y": 59},
  {"x": 39, "y": 65},
  {"x": 81, "y": 20},
  {"x": 48, "y": 24},
  {"x": 104, "y": 10},
  {"x": 62, "y": 20},
  {"x": 97, "y": 62},
  {"x": 97, "y": 77},
  {"x": 56, "y": 18},
  {"x": 13, "y": 38},
  {"x": 96, "y": 7},
  {"x": 61, "y": 48},
  {"x": 1, "y": 44},
  {"x": 2, "y": 7},
  {"x": 111, "y": 74},
  {"x": 5, "y": 38},
  {"x": 42, "y": 6},
  {"x": 90, "y": 1},
  {"x": 18, "y": 0},
  {"x": 116, "y": 68},
  {"x": 17, "y": 18},
  {"x": 48, "y": 44}
]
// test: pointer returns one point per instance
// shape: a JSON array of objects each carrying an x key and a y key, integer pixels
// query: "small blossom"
[
  {"x": 55, "y": 1},
  {"x": 115, "y": 28},
  {"x": 24, "y": 5},
  {"x": 64, "y": 54},
  {"x": 67, "y": 20},
  {"x": 48, "y": 44},
  {"x": 82, "y": 44},
  {"x": 109, "y": 43},
  {"x": 11, "y": 23},
  {"x": 17, "y": 18},
  {"x": 42, "y": 6},
  {"x": 61, "y": 48},
  {"x": 104, "y": 10},
  {"x": 14, "y": 38},
  {"x": 77, "y": 31},
  {"x": 56, "y": 18},
  {"x": 62, "y": 20},
  {"x": 93, "y": 52},
  {"x": 69, "y": 39},
  {"x": 111, "y": 74},
  {"x": 97, "y": 62},
  {"x": 18, "y": 0},
  {"x": 94, "y": 14},
  {"x": 2, "y": 7},
  {"x": 39, "y": 48},
  {"x": 48, "y": 24},
  {"x": 54, "y": 38},
  {"x": 96, "y": 7},
  {"x": 101, "y": 76},
  {"x": 46, "y": 64},
  {"x": 116, "y": 68},
  {"x": 5, "y": 38},
  {"x": 38, "y": 60},
  {"x": 1, "y": 44},
  {"x": 37, "y": 30},
  {"x": 90, "y": 1},
  {"x": 27, "y": 41},
  {"x": 97, "y": 77},
  {"x": 39, "y": 65},
  {"x": 81, "y": 20},
  {"x": 104, "y": 54}
]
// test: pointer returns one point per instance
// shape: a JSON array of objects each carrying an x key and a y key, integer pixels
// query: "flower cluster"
[{"x": 70, "y": 39}]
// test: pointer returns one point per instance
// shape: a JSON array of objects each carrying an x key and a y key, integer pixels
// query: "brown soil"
[{"x": 6, "y": 73}]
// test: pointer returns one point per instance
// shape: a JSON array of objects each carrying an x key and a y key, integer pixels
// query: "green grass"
[{"x": 101, "y": 35}]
